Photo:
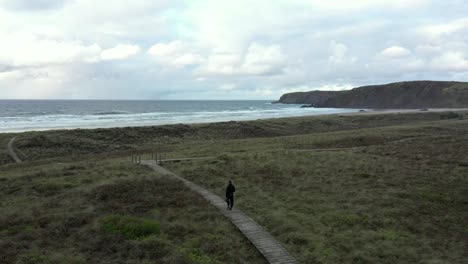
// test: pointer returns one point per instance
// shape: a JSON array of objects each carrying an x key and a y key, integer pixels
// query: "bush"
[
  {"x": 450, "y": 115},
  {"x": 129, "y": 227},
  {"x": 37, "y": 257}
]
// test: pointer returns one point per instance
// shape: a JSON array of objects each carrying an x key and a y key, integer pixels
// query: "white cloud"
[
  {"x": 450, "y": 61},
  {"x": 339, "y": 54},
  {"x": 39, "y": 83},
  {"x": 394, "y": 52},
  {"x": 318, "y": 87},
  {"x": 10, "y": 75},
  {"x": 258, "y": 59},
  {"x": 119, "y": 52},
  {"x": 187, "y": 59},
  {"x": 263, "y": 59},
  {"x": 228, "y": 87},
  {"x": 220, "y": 63},
  {"x": 264, "y": 91},
  {"x": 346, "y": 5},
  {"x": 414, "y": 65},
  {"x": 163, "y": 50},
  {"x": 333, "y": 87},
  {"x": 22, "y": 49},
  {"x": 428, "y": 49},
  {"x": 291, "y": 44},
  {"x": 174, "y": 53},
  {"x": 449, "y": 27},
  {"x": 32, "y": 5}
]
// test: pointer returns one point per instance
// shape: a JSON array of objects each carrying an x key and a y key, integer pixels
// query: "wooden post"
[{"x": 139, "y": 159}]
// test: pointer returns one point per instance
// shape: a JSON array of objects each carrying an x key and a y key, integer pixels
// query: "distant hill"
[{"x": 409, "y": 95}]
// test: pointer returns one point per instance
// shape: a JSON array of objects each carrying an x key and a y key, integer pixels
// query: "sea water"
[{"x": 29, "y": 115}]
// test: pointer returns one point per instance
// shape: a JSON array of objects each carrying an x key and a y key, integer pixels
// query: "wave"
[
  {"x": 116, "y": 118},
  {"x": 113, "y": 112}
]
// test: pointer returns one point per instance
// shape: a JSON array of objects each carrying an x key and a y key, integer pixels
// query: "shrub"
[
  {"x": 129, "y": 227},
  {"x": 37, "y": 257},
  {"x": 450, "y": 115},
  {"x": 48, "y": 188}
]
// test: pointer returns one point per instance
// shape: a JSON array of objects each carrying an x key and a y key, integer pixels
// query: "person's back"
[{"x": 230, "y": 190}]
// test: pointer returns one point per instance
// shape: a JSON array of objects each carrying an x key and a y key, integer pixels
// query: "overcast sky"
[{"x": 219, "y": 49}]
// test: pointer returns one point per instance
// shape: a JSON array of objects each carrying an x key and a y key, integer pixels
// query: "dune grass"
[
  {"x": 392, "y": 189},
  {"x": 110, "y": 212},
  {"x": 395, "y": 195},
  {"x": 82, "y": 144},
  {"x": 129, "y": 227}
]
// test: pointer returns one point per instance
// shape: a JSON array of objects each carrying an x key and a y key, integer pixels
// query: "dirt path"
[
  {"x": 11, "y": 151},
  {"x": 271, "y": 249}
]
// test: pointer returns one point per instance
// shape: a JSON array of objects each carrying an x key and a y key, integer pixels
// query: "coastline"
[
  {"x": 407, "y": 111},
  {"x": 352, "y": 112},
  {"x": 47, "y": 123}
]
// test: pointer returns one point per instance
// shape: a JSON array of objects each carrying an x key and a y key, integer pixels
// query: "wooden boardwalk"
[{"x": 271, "y": 249}]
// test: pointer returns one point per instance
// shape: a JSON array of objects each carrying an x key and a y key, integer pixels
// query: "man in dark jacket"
[{"x": 230, "y": 190}]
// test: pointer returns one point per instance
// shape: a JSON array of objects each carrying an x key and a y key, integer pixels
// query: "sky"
[{"x": 219, "y": 49}]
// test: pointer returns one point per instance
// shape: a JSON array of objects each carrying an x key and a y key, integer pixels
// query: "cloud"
[
  {"x": 450, "y": 61},
  {"x": 446, "y": 28},
  {"x": 394, "y": 52},
  {"x": 119, "y": 52},
  {"x": 28, "y": 50},
  {"x": 10, "y": 75},
  {"x": 221, "y": 63},
  {"x": 192, "y": 49},
  {"x": 163, "y": 50},
  {"x": 339, "y": 54},
  {"x": 227, "y": 87},
  {"x": 174, "y": 53},
  {"x": 39, "y": 83},
  {"x": 258, "y": 59},
  {"x": 361, "y": 5},
  {"x": 263, "y": 60},
  {"x": 32, "y": 5}
]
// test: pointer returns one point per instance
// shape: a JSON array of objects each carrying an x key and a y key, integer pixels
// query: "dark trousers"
[{"x": 230, "y": 201}]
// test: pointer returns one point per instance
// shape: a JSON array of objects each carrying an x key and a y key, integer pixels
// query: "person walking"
[{"x": 230, "y": 190}]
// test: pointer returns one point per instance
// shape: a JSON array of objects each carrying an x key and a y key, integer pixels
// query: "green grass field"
[
  {"x": 390, "y": 188},
  {"x": 110, "y": 212}
]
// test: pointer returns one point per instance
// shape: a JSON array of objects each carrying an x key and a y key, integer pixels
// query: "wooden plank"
[{"x": 268, "y": 246}]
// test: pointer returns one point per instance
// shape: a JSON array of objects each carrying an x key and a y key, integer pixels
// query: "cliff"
[{"x": 409, "y": 95}]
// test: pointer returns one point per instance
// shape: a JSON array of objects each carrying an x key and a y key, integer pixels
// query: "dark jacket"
[{"x": 230, "y": 190}]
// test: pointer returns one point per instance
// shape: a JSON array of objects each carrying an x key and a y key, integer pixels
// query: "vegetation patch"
[
  {"x": 387, "y": 188},
  {"x": 451, "y": 115},
  {"x": 37, "y": 257},
  {"x": 129, "y": 227}
]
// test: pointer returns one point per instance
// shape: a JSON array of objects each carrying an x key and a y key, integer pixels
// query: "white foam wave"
[{"x": 120, "y": 119}]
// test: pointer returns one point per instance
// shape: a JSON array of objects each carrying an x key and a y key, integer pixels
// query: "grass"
[
  {"x": 110, "y": 211},
  {"x": 391, "y": 189},
  {"x": 129, "y": 227},
  {"x": 70, "y": 145},
  {"x": 398, "y": 194}
]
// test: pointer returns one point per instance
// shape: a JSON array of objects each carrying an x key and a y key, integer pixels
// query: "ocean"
[{"x": 29, "y": 115}]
